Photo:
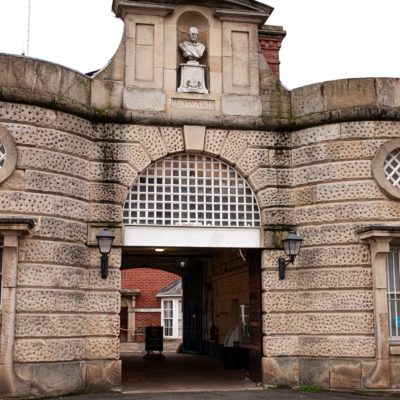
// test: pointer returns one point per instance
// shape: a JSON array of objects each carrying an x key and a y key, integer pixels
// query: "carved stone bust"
[{"x": 192, "y": 50}]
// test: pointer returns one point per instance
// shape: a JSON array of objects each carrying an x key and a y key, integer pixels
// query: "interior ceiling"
[{"x": 171, "y": 259}]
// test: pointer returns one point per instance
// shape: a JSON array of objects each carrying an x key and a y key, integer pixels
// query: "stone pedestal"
[{"x": 193, "y": 78}]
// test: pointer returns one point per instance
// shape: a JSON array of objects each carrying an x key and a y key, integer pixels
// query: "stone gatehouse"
[{"x": 79, "y": 153}]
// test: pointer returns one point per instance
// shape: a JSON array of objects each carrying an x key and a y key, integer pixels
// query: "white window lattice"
[
  {"x": 191, "y": 190},
  {"x": 2, "y": 155},
  {"x": 393, "y": 291},
  {"x": 392, "y": 168}
]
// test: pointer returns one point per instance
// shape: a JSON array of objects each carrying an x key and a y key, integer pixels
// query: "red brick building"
[{"x": 145, "y": 303}]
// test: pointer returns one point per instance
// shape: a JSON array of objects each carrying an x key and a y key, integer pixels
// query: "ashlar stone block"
[
  {"x": 314, "y": 372},
  {"x": 280, "y": 371},
  {"x": 173, "y": 137},
  {"x": 343, "y": 300},
  {"x": 345, "y": 375},
  {"x": 49, "y": 350},
  {"x": 55, "y": 379},
  {"x": 103, "y": 376},
  {"x": 52, "y": 276},
  {"x": 102, "y": 348},
  {"x": 318, "y": 324},
  {"x": 214, "y": 140}
]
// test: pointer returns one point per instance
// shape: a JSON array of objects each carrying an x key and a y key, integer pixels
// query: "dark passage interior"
[{"x": 221, "y": 324}]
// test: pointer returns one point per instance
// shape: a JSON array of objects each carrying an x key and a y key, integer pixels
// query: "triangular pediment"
[{"x": 223, "y": 9}]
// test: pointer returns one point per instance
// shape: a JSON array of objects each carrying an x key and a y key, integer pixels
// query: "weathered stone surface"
[
  {"x": 311, "y": 136},
  {"x": 336, "y": 212},
  {"x": 54, "y": 252},
  {"x": 51, "y": 139},
  {"x": 252, "y": 159},
  {"x": 238, "y": 141},
  {"x": 215, "y": 140},
  {"x": 102, "y": 348},
  {"x": 29, "y": 114},
  {"x": 16, "y": 181},
  {"x": 133, "y": 153},
  {"x": 54, "y": 228},
  {"x": 332, "y": 171},
  {"x": 307, "y": 100},
  {"x": 57, "y": 184},
  {"x": 395, "y": 374},
  {"x": 335, "y": 151},
  {"x": 264, "y": 177},
  {"x": 103, "y": 376},
  {"x": 274, "y": 196},
  {"x": 354, "y": 300},
  {"x": 314, "y": 372},
  {"x": 325, "y": 256},
  {"x": 52, "y": 276},
  {"x": 73, "y": 301},
  {"x": 241, "y": 105},
  {"x": 49, "y": 350},
  {"x": 280, "y": 371},
  {"x": 29, "y": 158},
  {"x": 349, "y": 93},
  {"x": 42, "y": 325},
  {"x": 55, "y": 379},
  {"x": 109, "y": 172},
  {"x": 345, "y": 375},
  {"x": 106, "y": 212},
  {"x": 110, "y": 192},
  {"x": 23, "y": 202},
  {"x": 331, "y": 278},
  {"x": 318, "y": 324},
  {"x": 376, "y": 374},
  {"x": 319, "y": 346},
  {"x": 173, "y": 137}
]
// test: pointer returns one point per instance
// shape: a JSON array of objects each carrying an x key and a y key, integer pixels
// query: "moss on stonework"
[{"x": 308, "y": 388}]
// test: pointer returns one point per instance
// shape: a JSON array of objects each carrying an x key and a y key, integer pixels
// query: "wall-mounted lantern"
[
  {"x": 291, "y": 245},
  {"x": 104, "y": 241}
]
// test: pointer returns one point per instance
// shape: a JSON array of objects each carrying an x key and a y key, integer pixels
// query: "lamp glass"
[
  {"x": 105, "y": 239},
  {"x": 292, "y": 244}
]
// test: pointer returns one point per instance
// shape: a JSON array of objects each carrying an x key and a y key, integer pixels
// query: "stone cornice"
[
  {"x": 19, "y": 226},
  {"x": 123, "y": 7},
  {"x": 252, "y": 17}
]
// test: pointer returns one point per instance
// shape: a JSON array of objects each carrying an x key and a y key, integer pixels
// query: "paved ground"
[
  {"x": 193, "y": 377},
  {"x": 278, "y": 394}
]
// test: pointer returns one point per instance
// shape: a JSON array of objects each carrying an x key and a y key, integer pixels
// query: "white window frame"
[
  {"x": 176, "y": 316},
  {"x": 393, "y": 292}
]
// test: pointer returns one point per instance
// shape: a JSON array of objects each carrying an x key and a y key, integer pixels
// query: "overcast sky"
[{"x": 326, "y": 39}]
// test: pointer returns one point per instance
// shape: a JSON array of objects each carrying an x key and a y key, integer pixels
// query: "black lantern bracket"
[
  {"x": 291, "y": 245},
  {"x": 105, "y": 240}
]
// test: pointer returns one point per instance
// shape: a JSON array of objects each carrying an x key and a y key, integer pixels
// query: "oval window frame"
[
  {"x": 378, "y": 164},
  {"x": 10, "y": 161}
]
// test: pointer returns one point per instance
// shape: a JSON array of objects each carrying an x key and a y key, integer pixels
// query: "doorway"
[{"x": 221, "y": 324}]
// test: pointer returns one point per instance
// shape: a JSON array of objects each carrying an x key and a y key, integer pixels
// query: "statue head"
[{"x": 193, "y": 33}]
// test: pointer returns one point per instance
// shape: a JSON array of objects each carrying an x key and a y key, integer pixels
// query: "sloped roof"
[{"x": 174, "y": 289}]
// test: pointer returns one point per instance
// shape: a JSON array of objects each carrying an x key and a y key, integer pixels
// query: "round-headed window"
[
  {"x": 386, "y": 168},
  {"x": 191, "y": 190}
]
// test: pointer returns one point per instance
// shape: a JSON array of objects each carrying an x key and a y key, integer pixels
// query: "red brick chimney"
[{"x": 271, "y": 37}]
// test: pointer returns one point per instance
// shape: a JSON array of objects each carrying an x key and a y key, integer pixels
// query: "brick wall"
[{"x": 149, "y": 281}]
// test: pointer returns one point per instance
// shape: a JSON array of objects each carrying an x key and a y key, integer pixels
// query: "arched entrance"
[{"x": 196, "y": 216}]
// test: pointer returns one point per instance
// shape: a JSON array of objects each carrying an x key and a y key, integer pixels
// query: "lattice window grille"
[
  {"x": 191, "y": 190},
  {"x": 2, "y": 155},
  {"x": 392, "y": 168},
  {"x": 393, "y": 291}
]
